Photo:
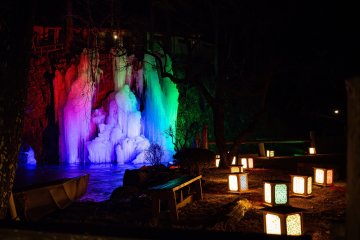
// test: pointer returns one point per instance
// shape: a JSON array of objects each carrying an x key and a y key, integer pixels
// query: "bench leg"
[
  {"x": 156, "y": 206},
  {"x": 198, "y": 190},
  {"x": 173, "y": 207}
]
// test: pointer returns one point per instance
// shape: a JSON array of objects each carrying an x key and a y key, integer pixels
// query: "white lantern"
[
  {"x": 238, "y": 182},
  {"x": 276, "y": 192},
  {"x": 301, "y": 185},
  {"x": 323, "y": 176},
  {"x": 283, "y": 220},
  {"x": 236, "y": 169},
  {"x": 270, "y": 153},
  {"x": 247, "y": 163},
  {"x": 217, "y": 161},
  {"x": 312, "y": 151},
  {"x": 233, "y": 162}
]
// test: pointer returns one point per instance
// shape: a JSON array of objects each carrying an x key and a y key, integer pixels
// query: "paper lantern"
[
  {"x": 217, "y": 161},
  {"x": 283, "y": 220},
  {"x": 323, "y": 176},
  {"x": 236, "y": 169},
  {"x": 238, "y": 182},
  {"x": 233, "y": 162},
  {"x": 301, "y": 185},
  {"x": 270, "y": 153},
  {"x": 247, "y": 163},
  {"x": 276, "y": 192},
  {"x": 312, "y": 151}
]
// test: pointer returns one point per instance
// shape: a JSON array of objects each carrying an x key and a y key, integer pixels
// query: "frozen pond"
[{"x": 104, "y": 178}]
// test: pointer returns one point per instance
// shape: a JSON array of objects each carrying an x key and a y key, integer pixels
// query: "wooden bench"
[{"x": 177, "y": 192}]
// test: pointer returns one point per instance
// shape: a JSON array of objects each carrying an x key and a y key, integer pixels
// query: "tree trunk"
[
  {"x": 219, "y": 131},
  {"x": 15, "y": 44},
  {"x": 353, "y": 163}
]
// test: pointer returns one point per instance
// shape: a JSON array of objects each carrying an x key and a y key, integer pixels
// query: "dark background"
[{"x": 315, "y": 44}]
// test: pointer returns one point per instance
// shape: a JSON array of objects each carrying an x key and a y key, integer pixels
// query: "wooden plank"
[
  {"x": 176, "y": 183},
  {"x": 186, "y": 200},
  {"x": 187, "y": 183},
  {"x": 267, "y": 141}
]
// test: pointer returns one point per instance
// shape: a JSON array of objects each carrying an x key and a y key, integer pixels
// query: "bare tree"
[{"x": 15, "y": 44}]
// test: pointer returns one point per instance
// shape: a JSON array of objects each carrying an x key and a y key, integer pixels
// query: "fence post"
[
  {"x": 353, "y": 163},
  {"x": 262, "y": 149}
]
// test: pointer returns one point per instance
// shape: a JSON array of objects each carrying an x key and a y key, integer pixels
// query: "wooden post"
[
  {"x": 173, "y": 206},
  {"x": 353, "y": 163},
  {"x": 262, "y": 149},
  {"x": 205, "y": 137},
  {"x": 12, "y": 208},
  {"x": 312, "y": 139}
]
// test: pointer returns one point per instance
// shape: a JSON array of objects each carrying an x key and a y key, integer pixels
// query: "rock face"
[
  {"x": 37, "y": 104},
  {"x": 147, "y": 176}
]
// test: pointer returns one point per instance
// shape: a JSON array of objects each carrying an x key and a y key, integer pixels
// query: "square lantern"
[
  {"x": 276, "y": 192},
  {"x": 312, "y": 150},
  {"x": 270, "y": 153},
  {"x": 283, "y": 220},
  {"x": 233, "y": 162},
  {"x": 323, "y": 176},
  {"x": 236, "y": 169},
  {"x": 238, "y": 182},
  {"x": 301, "y": 185},
  {"x": 247, "y": 163},
  {"x": 217, "y": 161}
]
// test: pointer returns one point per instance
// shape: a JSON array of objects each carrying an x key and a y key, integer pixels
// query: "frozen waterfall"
[{"x": 140, "y": 109}]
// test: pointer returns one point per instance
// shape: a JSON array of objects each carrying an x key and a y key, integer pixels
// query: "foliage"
[
  {"x": 154, "y": 154},
  {"x": 192, "y": 116}
]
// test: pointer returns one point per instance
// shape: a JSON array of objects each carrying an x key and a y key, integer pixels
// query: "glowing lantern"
[
  {"x": 324, "y": 176},
  {"x": 270, "y": 153},
  {"x": 238, "y": 182},
  {"x": 217, "y": 160},
  {"x": 233, "y": 162},
  {"x": 276, "y": 192},
  {"x": 236, "y": 169},
  {"x": 301, "y": 185},
  {"x": 247, "y": 162},
  {"x": 283, "y": 220},
  {"x": 312, "y": 151}
]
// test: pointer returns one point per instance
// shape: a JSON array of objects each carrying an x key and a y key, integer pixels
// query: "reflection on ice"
[{"x": 104, "y": 178}]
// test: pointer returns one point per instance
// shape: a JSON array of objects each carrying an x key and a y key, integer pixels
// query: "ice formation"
[
  {"x": 137, "y": 113},
  {"x": 77, "y": 127}
]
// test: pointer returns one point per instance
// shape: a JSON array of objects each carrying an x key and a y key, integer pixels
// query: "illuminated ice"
[
  {"x": 118, "y": 131},
  {"x": 77, "y": 111}
]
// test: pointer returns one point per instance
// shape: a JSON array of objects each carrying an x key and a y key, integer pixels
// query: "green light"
[{"x": 281, "y": 194}]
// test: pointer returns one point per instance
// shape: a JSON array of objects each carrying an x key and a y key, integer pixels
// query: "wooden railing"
[
  {"x": 46, "y": 49},
  {"x": 261, "y": 143}
]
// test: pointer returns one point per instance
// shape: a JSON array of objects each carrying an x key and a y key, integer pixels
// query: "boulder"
[{"x": 195, "y": 160}]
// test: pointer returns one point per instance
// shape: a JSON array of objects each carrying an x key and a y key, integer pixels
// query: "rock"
[
  {"x": 136, "y": 178},
  {"x": 195, "y": 160},
  {"x": 124, "y": 194}
]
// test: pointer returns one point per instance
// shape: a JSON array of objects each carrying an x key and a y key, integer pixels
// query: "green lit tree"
[{"x": 218, "y": 58}]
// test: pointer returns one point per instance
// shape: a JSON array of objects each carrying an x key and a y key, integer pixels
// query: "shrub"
[{"x": 154, "y": 154}]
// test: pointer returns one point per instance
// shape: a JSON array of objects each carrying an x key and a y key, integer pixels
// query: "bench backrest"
[{"x": 176, "y": 183}]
